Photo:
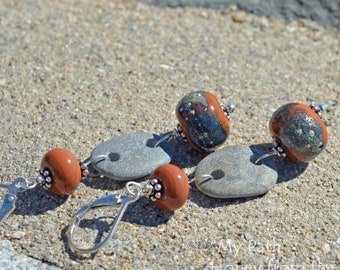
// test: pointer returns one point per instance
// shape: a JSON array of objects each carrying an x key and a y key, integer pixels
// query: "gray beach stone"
[
  {"x": 235, "y": 174},
  {"x": 9, "y": 259},
  {"x": 131, "y": 156}
]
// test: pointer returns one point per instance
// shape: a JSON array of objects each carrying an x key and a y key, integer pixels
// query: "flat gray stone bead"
[
  {"x": 131, "y": 156},
  {"x": 235, "y": 174}
]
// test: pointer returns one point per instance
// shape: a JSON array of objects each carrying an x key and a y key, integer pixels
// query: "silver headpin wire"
[
  {"x": 169, "y": 136},
  {"x": 277, "y": 150}
]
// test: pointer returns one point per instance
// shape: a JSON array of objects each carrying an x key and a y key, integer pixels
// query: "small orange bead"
[
  {"x": 175, "y": 187},
  {"x": 64, "y": 170}
]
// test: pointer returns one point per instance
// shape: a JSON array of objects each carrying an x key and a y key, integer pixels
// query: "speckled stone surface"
[
  {"x": 131, "y": 156},
  {"x": 235, "y": 174},
  {"x": 76, "y": 73},
  {"x": 10, "y": 260}
]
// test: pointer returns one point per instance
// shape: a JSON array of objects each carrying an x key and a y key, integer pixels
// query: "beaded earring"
[
  {"x": 168, "y": 188},
  {"x": 60, "y": 172},
  {"x": 299, "y": 133},
  {"x": 205, "y": 125},
  {"x": 203, "y": 122}
]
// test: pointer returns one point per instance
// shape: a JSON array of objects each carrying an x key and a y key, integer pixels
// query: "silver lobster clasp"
[
  {"x": 19, "y": 185},
  {"x": 108, "y": 201}
]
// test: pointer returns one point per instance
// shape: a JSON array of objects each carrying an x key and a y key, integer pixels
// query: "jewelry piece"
[
  {"x": 168, "y": 188},
  {"x": 60, "y": 172},
  {"x": 203, "y": 121},
  {"x": 242, "y": 171}
]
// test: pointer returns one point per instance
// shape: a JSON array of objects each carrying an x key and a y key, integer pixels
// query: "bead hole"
[
  {"x": 114, "y": 156},
  {"x": 217, "y": 174}
]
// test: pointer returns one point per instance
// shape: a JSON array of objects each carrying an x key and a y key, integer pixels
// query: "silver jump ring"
[
  {"x": 274, "y": 152},
  {"x": 137, "y": 187},
  {"x": 22, "y": 184},
  {"x": 31, "y": 183},
  {"x": 94, "y": 159},
  {"x": 203, "y": 177},
  {"x": 166, "y": 137}
]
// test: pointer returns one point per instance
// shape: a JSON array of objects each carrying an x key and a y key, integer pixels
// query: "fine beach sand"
[{"x": 77, "y": 73}]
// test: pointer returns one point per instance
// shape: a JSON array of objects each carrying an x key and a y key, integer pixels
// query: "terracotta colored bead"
[
  {"x": 64, "y": 169},
  {"x": 299, "y": 130},
  {"x": 202, "y": 120},
  {"x": 175, "y": 187}
]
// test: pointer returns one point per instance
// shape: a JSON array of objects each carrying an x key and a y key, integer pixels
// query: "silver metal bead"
[
  {"x": 83, "y": 166},
  {"x": 322, "y": 108},
  {"x": 158, "y": 195},
  {"x": 41, "y": 179},
  {"x": 47, "y": 185},
  {"x": 148, "y": 190},
  {"x": 85, "y": 172},
  {"x": 227, "y": 109},
  {"x": 46, "y": 173},
  {"x": 230, "y": 107},
  {"x": 152, "y": 198},
  {"x": 48, "y": 179},
  {"x": 158, "y": 187},
  {"x": 153, "y": 182}
]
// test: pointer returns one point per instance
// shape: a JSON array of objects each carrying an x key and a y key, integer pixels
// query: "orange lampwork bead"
[
  {"x": 63, "y": 169},
  {"x": 203, "y": 121},
  {"x": 174, "y": 187},
  {"x": 299, "y": 130}
]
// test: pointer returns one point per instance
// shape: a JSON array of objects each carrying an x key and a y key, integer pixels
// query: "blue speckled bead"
[
  {"x": 202, "y": 120},
  {"x": 299, "y": 130}
]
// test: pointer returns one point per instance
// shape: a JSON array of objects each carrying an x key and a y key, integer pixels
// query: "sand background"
[{"x": 76, "y": 73}]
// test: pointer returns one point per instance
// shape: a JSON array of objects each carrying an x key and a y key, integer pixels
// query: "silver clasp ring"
[
  {"x": 19, "y": 185},
  {"x": 107, "y": 201}
]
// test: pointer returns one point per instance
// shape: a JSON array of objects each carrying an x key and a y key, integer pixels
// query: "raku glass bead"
[
  {"x": 64, "y": 170},
  {"x": 299, "y": 130},
  {"x": 202, "y": 120},
  {"x": 175, "y": 187}
]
